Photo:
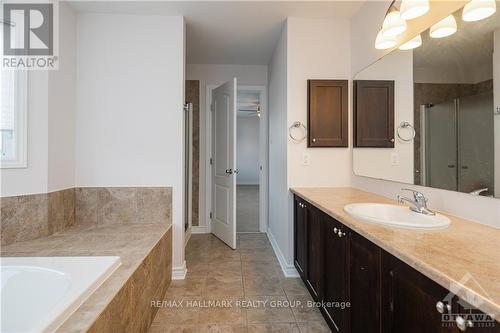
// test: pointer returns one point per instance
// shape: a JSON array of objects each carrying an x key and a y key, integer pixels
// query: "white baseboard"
[
  {"x": 179, "y": 273},
  {"x": 201, "y": 229},
  {"x": 288, "y": 270}
]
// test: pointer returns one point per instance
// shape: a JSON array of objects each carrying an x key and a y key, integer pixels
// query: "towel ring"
[
  {"x": 297, "y": 124},
  {"x": 406, "y": 124}
]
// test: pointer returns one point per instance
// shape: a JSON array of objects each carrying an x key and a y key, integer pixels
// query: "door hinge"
[
  {"x": 211, "y": 161},
  {"x": 210, "y": 215},
  {"x": 212, "y": 107}
]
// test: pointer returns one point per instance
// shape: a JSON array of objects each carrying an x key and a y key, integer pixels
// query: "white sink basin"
[{"x": 395, "y": 216}]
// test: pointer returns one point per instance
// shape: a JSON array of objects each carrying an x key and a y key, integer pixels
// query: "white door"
[{"x": 224, "y": 162}]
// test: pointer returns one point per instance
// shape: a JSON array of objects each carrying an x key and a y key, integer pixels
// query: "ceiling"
[{"x": 228, "y": 32}]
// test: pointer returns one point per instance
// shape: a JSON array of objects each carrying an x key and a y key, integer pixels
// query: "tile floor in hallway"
[{"x": 249, "y": 275}]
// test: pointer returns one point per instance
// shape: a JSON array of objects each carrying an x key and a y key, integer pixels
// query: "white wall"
[
  {"x": 51, "y": 109},
  {"x": 278, "y": 229},
  {"x": 129, "y": 115},
  {"x": 62, "y": 103},
  {"x": 211, "y": 74},
  {"x": 247, "y": 146},
  {"x": 365, "y": 25},
  {"x": 377, "y": 162},
  {"x": 308, "y": 49}
]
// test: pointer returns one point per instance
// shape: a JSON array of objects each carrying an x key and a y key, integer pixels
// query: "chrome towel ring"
[
  {"x": 297, "y": 124},
  {"x": 406, "y": 124}
]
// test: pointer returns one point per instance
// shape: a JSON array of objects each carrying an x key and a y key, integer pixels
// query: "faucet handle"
[{"x": 419, "y": 196}]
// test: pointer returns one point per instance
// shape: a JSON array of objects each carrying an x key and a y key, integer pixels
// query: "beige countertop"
[
  {"x": 463, "y": 258},
  {"x": 132, "y": 242}
]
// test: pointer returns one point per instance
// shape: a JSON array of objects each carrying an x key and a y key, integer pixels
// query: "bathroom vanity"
[{"x": 395, "y": 279}]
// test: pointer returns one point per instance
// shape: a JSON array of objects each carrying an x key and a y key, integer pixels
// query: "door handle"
[
  {"x": 236, "y": 171},
  {"x": 229, "y": 171}
]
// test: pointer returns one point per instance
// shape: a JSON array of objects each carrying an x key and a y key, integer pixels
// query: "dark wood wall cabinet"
[
  {"x": 327, "y": 113},
  {"x": 385, "y": 295},
  {"x": 373, "y": 113}
]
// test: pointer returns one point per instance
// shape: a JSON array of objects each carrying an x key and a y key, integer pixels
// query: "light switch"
[
  {"x": 305, "y": 158},
  {"x": 394, "y": 159}
]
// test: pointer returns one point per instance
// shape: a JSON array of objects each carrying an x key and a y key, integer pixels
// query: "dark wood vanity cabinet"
[
  {"x": 373, "y": 113},
  {"x": 313, "y": 250},
  {"x": 335, "y": 284},
  {"x": 299, "y": 232},
  {"x": 365, "y": 285},
  {"x": 327, "y": 113},
  {"x": 385, "y": 294},
  {"x": 409, "y": 300}
]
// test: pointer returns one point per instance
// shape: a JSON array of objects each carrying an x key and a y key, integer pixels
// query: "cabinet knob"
[
  {"x": 335, "y": 230},
  {"x": 463, "y": 324},
  {"x": 314, "y": 139},
  {"x": 440, "y": 307},
  {"x": 340, "y": 233},
  {"x": 392, "y": 140}
]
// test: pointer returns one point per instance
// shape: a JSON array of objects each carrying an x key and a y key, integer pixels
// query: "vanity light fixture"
[
  {"x": 477, "y": 10},
  {"x": 393, "y": 23},
  {"x": 411, "y": 9},
  {"x": 412, "y": 43},
  {"x": 383, "y": 43},
  {"x": 444, "y": 28}
]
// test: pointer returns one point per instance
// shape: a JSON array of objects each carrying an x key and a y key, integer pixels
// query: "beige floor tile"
[
  {"x": 273, "y": 328},
  {"x": 303, "y": 310},
  {"x": 173, "y": 329},
  {"x": 252, "y": 236},
  {"x": 223, "y": 283},
  {"x": 179, "y": 311},
  {"x": 269, "y": 309},
  {"x": 263, "y": 286},
  {"x": 314, "y": 327},
  {"x": 253, "y": 243},
  {"x": 191, "y": 286},
  {"x": 294, "y": 286},
  {"x": 258, "y": 269},
  {"x": 214, "y": 328},
  {"x": 221, "y": 310},
  {"x": 262, "y": 254}
]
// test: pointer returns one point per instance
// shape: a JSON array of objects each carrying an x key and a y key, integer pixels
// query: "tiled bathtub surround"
[
  {"x": 123, "y": 302},
  {"x": 29, "y": 217},
  {"x": 104, "y": 205},
  {"x": 32, "y": 216}
]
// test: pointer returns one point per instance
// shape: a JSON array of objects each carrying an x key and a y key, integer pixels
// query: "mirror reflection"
[{"x": 431, "y": 115}]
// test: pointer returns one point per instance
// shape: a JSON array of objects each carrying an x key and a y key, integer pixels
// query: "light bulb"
[
  {"x": 382, "y": 43},
  {"x": 393, "y": 24},
  {"x": 412, "y": 43},
  {"x": 411, "y": 9},
  {"x": 477, "y": 10},
  {"x": 444, "y": 28}
]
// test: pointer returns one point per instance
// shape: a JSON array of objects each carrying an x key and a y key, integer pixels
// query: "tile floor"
[
  {"x": 247, "y": 208},
  {"x": 258, "y": 298}
]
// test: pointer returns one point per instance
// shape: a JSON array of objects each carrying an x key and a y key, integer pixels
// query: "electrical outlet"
[
  {"x": 305, "y": 158},
  {"x": 394, "y": 159}
]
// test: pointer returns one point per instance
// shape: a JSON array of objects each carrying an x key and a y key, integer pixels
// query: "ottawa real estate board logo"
[{"x": 29, "y": 36}]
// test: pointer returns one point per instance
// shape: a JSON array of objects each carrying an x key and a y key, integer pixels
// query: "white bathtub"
[{"x": 39, "y": 293}]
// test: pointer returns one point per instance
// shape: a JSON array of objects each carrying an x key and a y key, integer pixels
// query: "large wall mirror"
[{"x": 430, "y": 116}]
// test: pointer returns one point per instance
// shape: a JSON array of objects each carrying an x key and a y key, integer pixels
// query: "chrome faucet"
[{"x": 419, "y": 202}]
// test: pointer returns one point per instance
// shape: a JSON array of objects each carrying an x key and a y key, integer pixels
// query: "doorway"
[
  {"x": 248, "y": 160},
  {"x": 251, "y": 178}
]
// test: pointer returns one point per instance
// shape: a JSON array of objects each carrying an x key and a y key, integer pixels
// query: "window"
[{"x": 13, "y": 122}]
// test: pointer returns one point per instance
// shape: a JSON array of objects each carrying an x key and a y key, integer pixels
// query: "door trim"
[{"x": 263, "y": 151}]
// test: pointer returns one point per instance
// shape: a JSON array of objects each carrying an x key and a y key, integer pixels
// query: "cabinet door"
[
  {"x": 313, "y": 251},
  {"x": 335, "y": 275},
  {"x": 374, "y": 114},
  {"x": 299, "y": 233},
  {"x": 327, "y": 113},
  {"x": 364, "y": 285},
  {"x": 409, "y": 300}
]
